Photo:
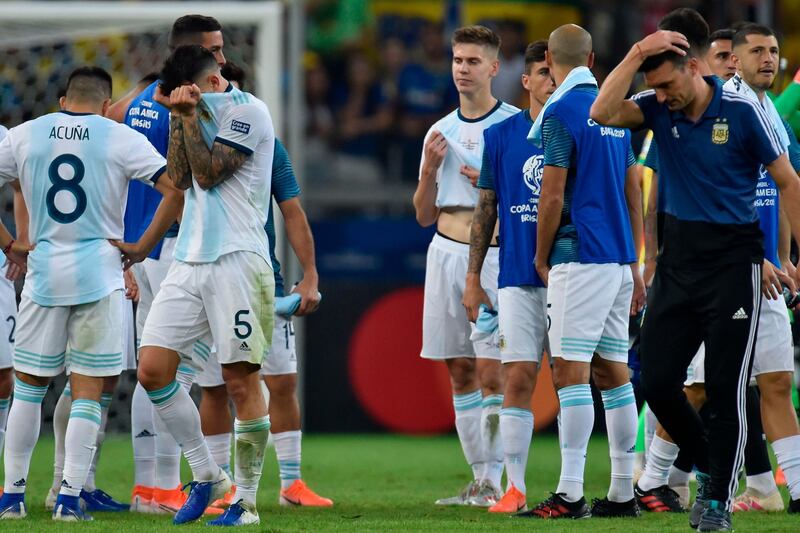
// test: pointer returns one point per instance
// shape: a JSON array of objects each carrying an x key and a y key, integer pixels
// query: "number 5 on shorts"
[{"x": 241, "y": 323}]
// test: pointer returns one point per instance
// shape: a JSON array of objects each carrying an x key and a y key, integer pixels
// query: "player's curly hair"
[{"x": 185, "y": 65}]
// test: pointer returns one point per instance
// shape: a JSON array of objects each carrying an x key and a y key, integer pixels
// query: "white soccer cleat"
[
  {"x": 463, "y": 497},
  {"x": 50, "y": 500},
  {"x": 487, "y": 495},
  {"x": 684, "y": 494},
  {"x": 752, "y": 500}
]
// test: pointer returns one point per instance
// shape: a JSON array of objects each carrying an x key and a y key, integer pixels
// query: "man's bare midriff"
[{"x": 455, "y": 223}]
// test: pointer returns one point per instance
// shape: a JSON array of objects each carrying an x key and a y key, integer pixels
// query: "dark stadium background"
[{"x": 383, "y": 63}]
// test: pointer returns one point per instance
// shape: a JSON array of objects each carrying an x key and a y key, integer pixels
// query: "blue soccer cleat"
[
  {"x": 98, "y": 500},
  {"x": 68, "y": 509},
  {"x": 201, "y": 494},
  {"x": 12, "y": 506},
  {"x": 236, "y": 515}
]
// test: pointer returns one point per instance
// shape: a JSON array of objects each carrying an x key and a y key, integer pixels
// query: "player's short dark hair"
[
  {"x": 189, "y": 26},
  {"x": 89, "y": 84},
  {"x": 233, "y": 72},
  {"x": 692, "y": 25},
  {"x": 184, "y": 65},
  {"x": 724, "y": 34},
  {"x": 534, "y": 53},
  {"x": 751, "y": 28},
  {"x": 147, "y": 79},
  {"x": 476, "y": 35}
]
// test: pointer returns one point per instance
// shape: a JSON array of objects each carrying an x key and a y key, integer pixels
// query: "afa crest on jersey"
[
  {"x": 719, "y": 132},
  {"x": 532, "y": 173}
]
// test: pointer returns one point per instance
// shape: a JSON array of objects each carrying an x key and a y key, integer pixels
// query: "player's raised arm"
[
  {"x": 611, "y": 107},
  {"x": 433, "y": 153}
]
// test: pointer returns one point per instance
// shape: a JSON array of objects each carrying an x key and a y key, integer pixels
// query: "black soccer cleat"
[
  {"x": 794, "y": 506},
  {"x": 605, "y": 508},
  {"x": 715, "y": 518},
  {"x": 658, "y": 500},
  {"x": 557, "y": 507}
]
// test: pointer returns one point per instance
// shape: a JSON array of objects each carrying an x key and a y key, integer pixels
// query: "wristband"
[{"x": 8, "y": 247}]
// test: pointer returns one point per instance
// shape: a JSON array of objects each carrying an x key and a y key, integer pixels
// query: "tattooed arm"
[
  {"x": 209, "y": 167},
  {"x": 480, "y": 235},
  {"x": 177, "y": 164}
]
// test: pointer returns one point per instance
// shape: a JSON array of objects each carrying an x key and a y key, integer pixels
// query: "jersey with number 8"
[{"x": 74, "y": 171}]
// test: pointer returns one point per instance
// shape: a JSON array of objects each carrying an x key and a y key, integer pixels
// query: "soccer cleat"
[
  {"x": 794, "y": 506},
  {"x": 142, "y": 500},
  {"x": 236, "y": 514},
  {"x": 299, "y": 494},
  {"x": 752, "y": 500},
  {"x": 486, "y": 495},
  {"x": 513, "y": 501},
  {"x": 658, "y": 500},
  {"x": 12, "y": 506},
  {"x": 68, "y": 509},
  {"x": 684, "y": 495},
  {"x": 557, "y": 507},
  {"x": 50, "y": 499},
  {"x": 715, "y": 518},
  {"x": 222, "y": 503},
  {"x": 700, "y": 500},
  {"x": 101, "y": 501},
  {"x": 168, "y": 500},
  {"x": 201, "y": 493},
  {"x": 463, "y": 498},
  {"x": 605, "y": 508}
]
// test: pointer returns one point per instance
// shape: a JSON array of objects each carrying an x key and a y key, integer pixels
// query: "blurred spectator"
[
  {"x": 425, "y": 93},
  {"x": 363, "y": 117},
  {"x": 506, "y": 85},
  {"x": 394, "y": 58},
  {"x": 319, "y": 124}
]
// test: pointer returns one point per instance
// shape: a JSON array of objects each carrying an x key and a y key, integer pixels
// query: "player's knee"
[
  {"x": 110, "y": 384},
  {"x": 462, "y": 374},
  {"x": 215, "y": 397},
  {"x": 775, "y": 386},
  {"x": 696, "y": 395},
  {"x": 281, "y": 387},
  {"x": 520, "y": 381},
  {"x": 5, "y": 382}
]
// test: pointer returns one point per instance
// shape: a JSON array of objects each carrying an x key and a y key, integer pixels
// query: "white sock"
[
  {"x": 167, "y": 451},
  {"x": 650, "y": 424},
  {"x": 468, "y": 426},
  {"x": 220, "y": 448},
  {"x": 659, "y": 461},
  {"x": 178, "y": 412},
  {"x": 5, "y": 404},
  {"x": 60, "y": 421},
  {"x": 787, "y": 452},
  {"x": 764, "y": 483},
  {"x": 287, "y": 449},
  {"x": 492, "y": 440},
  {"x": 105, "y": 403},
  {"x": 678, "y": 478},
  {"x": 251, "y": 442},
  {"x": 621, "y": 424},
  {"x": 516, "y": 428},
  {"x": 577, "y": 421},
  {"x": 143, "y": 436},
  {"x": 79, "y": 445},
  {"x": 24, "y": 421}
]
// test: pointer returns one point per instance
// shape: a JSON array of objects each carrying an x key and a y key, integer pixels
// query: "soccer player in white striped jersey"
[
  {"x": 446, "y": 196},
  {"x": 220, "y": 288},
  {"x": 73, "y": 167},
  {"x": 8, "y": 322}
]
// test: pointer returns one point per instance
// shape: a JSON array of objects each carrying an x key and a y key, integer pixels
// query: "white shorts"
[
  {"x": 281, "y": 359},
  {"x": 774, "y": 349},
  {"x": 228, "y": 303},
  {"x": 150, "y": 273},
  {"x": 523, "y": 323},
  {"x": 92, "y": 331},
  {"x": 128, "y": 336},
  {"x": 588, "y": 310},
  {"x": 8, "y": 318},
  {"x": 445, "y": 327}
]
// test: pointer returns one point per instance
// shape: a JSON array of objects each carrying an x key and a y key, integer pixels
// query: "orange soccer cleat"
[
  {"x": 512, "y": 501},
  {"x": 780, "y": 477},
  {"x": 222, "y": 503},
  {"x": 169, "y": 500},
  {"x": 299, "y": 494},
  {"x": 142, "y": 500}
]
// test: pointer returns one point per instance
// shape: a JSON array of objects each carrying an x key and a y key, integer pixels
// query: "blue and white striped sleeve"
[
  {"x": 284, "y": 183},
  {"x": 758, "y": 132},
  {"x": 558, "y": 143},
  {"x": 631, "y": 160}
]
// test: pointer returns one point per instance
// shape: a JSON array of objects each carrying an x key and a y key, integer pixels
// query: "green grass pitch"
[{"x": 379, "y": 483}]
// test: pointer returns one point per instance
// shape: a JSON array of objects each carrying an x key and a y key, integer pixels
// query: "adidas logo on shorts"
[
  {"x": 244, "y": 347},
  {"x": 740, "y": 314}
]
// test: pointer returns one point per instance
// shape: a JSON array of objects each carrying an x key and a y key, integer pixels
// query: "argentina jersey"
[
  {"x": 73, "y": 170},
  {"x": 151, "y": 119},
  {"x": 513, "y": 167},
  {"x": 231, "y": 216},
  {"x": 464, "y": 147}
]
